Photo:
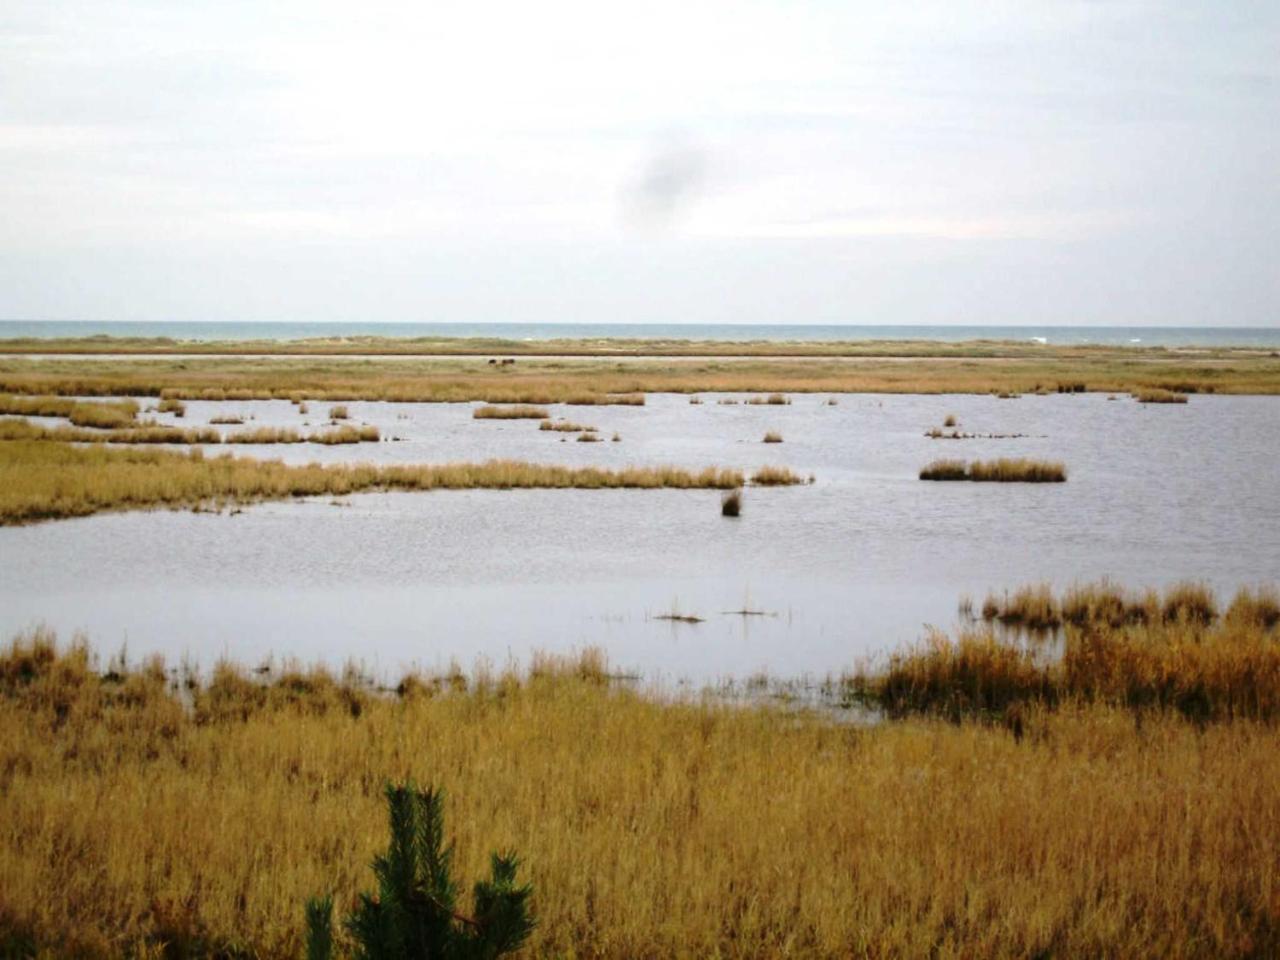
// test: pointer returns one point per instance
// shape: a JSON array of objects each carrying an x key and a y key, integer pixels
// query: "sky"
[{"x": 747, "y": 162}]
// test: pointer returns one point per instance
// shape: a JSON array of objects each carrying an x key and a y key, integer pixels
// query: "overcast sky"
[{"x": 1001, "y": 162}]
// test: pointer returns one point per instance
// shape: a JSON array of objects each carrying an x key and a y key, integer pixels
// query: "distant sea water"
[{"x": 1111, "y": 336}]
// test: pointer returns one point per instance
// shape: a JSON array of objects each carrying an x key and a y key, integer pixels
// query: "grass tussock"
[
  {"x": 589, "y": 438},
  {"x": 230, "y": 421},
  {"x": 773, "y": 436},
  {"x": 346, "y": 434},
  {"x": 565, "y": 426},
  {"x": 950, "y": 421},
  {"x": 339, "y": 413},
  {"x": 1158, "y": 395},
  {"x": 776, "y": 477},
  {"x": 1176, "y": 655},
  {"x": 140, "y": 821},
  {"x": 518, "y": 412},
  {"x": 172, "y": 405},
  {"x": 1003, "y": 470},
  {"x": 41, "y": 480}
]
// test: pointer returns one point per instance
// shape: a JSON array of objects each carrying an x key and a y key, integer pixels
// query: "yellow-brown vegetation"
[
  {"x": 137, "y": 819},
  {"x": 518, "y": 412},
  {"x": 1002, "y": 470},
  {"x": 42, "y": 480},
  {"x": 614, "y": 381}
]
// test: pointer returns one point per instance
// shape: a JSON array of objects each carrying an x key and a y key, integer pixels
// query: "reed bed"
[
  {"x": 266, "y": 435},
  {"x": 519, "y": 412},
  {"x": 144, "y": 432},
  {"x": 565, "y": 426},
  {"x": 1130, "y": 650},
  {"x": 40, "y": 480},
  {"x": 150, "y": 432},
  {"x": 610, "y": 382},
  {"x": 172, "y": 405},
  {"x": 140, "y": 820},
  {"x": 1158, "y": 395},
  {"x": 1003, "y": 470},
  {"x": 1105, "y": 604}
]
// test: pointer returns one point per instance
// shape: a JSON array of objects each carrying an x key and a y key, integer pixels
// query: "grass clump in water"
[
  {"x": 1158, "y": 395},
  {"x": 565, "y": 426},
  {"x": 516, "y": 412},
  {"x": 346, "y": 434},
  {"x": 776, "y": 477},
  {"x": 773, "y": 436},
  {"x": 1002, "y": 470},
  {"x": 172, "y": 405}
]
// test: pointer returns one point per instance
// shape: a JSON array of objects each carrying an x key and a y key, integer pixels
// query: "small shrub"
[
  {"x": 731, "y": 503},
  {"x": 414, "y": 913}
]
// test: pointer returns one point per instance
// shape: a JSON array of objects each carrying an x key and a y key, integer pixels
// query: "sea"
[{"x": 1267, "y": 337}]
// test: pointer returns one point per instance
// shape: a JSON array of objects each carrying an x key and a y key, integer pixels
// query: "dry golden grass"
[
  {"x": 346, "y": 434},
  {"x": 542, "y": 381},
  {"x": 1157, "y": 395},
  {"x": 41, "y": 480},
  {"x": 1106, "y": 605},
  {"x": 133, "y": 824},
  {"x": 1002, "y": 470},
  {"x": 565, "y": 426},
  {"x": 266, "y": 435},
  {"x": 150, "y": 432},
  {"x": 339, "y": 413},
  {"x": 171, "y": 405},
  {"x": 776, "y": 477},
  {"x": 1173, "y": 654},
  {"x": 773, "y": 436},
  {"x": 142, "y": 432},
  {"x": 519, "y": 412}
]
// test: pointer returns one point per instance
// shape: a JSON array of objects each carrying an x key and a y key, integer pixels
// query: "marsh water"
[{"x": 855, "y": 564}]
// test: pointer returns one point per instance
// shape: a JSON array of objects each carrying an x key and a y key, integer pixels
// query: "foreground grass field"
[
  {"x": 609, "y": 380},
  {"x": 43, "y": 479},
  {"x": 146, "y": 813}
]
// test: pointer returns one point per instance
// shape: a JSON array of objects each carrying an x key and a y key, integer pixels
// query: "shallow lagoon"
[{"x": 854, "y": 564}]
